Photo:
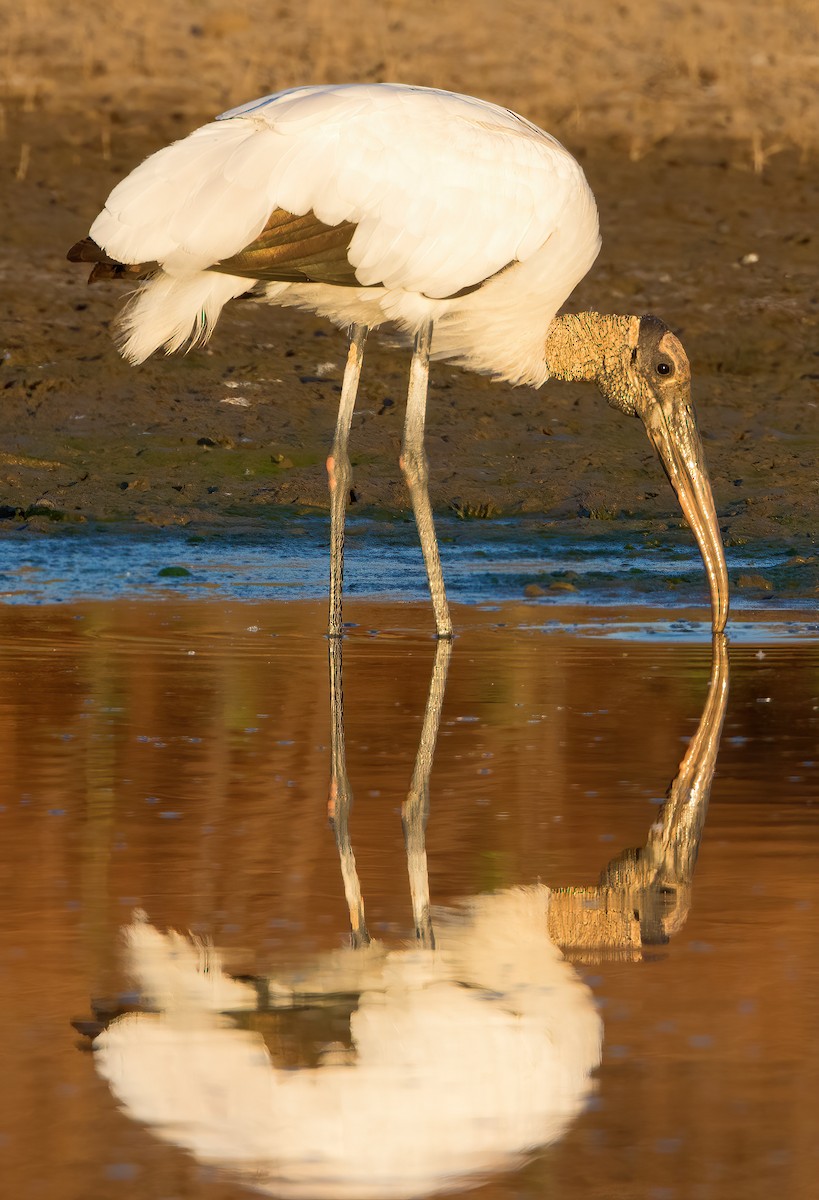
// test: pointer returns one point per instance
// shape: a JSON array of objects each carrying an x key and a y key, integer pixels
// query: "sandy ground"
[{"x": 697, "y": 127}]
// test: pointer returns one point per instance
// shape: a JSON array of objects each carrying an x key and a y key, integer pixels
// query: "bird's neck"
[{"x": 590, "y": 345}]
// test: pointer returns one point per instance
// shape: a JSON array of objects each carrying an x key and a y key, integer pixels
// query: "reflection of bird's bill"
[
  {"x": 680, "y": 451},
  {"x": 679, "y": 827},
  {"x": 700, "y": 757},
  {"x": 645, "y": 894}
]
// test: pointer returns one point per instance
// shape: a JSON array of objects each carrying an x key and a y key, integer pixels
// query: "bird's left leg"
[
  {"x": 340, "y": 474},
  {"x": 416, "y": 473},
  {"x": 340, "y": 800}
]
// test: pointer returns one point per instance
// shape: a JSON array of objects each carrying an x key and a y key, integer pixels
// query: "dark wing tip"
[
  {"x": 86, "y": 251},
  {"x": 105, "y": 267}
]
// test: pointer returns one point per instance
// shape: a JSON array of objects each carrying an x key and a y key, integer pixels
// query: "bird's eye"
[{"x": 664, "y": 367}]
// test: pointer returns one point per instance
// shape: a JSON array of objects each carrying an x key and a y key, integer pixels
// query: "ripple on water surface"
[{"x": 174, "y": 755}]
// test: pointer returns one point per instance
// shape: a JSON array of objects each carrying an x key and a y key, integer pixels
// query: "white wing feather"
[{"x": 444, "y": 191}]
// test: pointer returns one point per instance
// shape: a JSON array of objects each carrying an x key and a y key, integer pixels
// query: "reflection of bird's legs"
[
  {"x": 341, "y": 800},
  {"x": 339, "y": 473},
  {"x": 415, "y": 809},
  {"x": 416, "y": 473}
]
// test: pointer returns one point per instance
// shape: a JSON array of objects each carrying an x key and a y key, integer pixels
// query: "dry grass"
[{"x": 742, "y": 71}]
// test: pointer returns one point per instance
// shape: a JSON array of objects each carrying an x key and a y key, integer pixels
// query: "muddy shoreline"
[
  {"x": 252, "y": 414},
  {"x": 226, "y": 437}
]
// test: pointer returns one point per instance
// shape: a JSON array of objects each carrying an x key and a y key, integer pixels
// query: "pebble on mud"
[
  {"x": 533, "y": 590},
  {"x": 755, "y": 581}
]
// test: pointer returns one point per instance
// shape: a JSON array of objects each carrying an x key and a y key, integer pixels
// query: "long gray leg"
[
  {"x": 340, "y": 474},
  {"x": 341, "y": 800},
  {"x": 416, "y": 473},
  {"x": 415, "y": 809}
]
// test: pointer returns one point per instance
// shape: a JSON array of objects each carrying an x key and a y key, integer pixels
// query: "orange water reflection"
[{"x": 177, "y": 757}]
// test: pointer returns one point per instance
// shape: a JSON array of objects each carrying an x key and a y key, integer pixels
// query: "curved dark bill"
[{"x": 674, "y": 435}]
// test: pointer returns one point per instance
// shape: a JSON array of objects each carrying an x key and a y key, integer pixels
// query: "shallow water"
[
  {"x": 484, "y": 562},
  {"x": 175, "y": 756}
]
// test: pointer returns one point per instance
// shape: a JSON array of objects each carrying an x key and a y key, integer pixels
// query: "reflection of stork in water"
[
  {"x": 454, "y": 220},
  {"x": 465, "y": 1057},
  {"x": 643, "y": 895}
]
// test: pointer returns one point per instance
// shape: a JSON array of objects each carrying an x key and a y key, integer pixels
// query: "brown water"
[{"x": 176, "y": 756}]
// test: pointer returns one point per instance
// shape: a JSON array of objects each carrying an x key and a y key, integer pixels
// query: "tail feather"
[
  {"x": 176, "y": 312},
  {"x": 181, "y": 974}
]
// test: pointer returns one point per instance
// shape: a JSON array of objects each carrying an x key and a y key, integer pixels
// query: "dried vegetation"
[{"x": 743, "y": 71}]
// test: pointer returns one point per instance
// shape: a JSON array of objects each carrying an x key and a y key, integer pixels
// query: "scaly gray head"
[{"x": 652, "y": 381}]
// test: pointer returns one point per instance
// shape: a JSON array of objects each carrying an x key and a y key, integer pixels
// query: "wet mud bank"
[{"x": 233, "y": 435}]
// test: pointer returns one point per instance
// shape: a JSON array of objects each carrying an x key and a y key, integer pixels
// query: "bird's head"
[{"x": 650, "y": 378}]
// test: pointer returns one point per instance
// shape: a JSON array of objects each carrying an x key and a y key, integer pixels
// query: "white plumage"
[
  {"x": 466, "y": 1058},
  {"x": 444, "y": 191}
]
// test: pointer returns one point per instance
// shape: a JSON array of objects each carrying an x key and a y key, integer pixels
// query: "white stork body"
[
  {"x": 459, "y": 223},
  {"x": 444, "y": 192}
]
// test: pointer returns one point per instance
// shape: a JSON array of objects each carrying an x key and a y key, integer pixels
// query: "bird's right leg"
[
  {"x": 341, "y": 800},
  {"x": 340, "y": 474},
  {"x": 416, "y": 473},
  {"x": 415, "y": 809}
]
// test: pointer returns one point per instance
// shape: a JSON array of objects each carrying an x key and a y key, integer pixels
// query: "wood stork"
[{"x": 456, "y": 221}]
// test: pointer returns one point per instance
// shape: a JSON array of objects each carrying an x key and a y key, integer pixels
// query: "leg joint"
[{"x": 414, "y": 465}]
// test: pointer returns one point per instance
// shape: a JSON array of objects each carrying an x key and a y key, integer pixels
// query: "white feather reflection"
[{"x": 466, "y": 1057}]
